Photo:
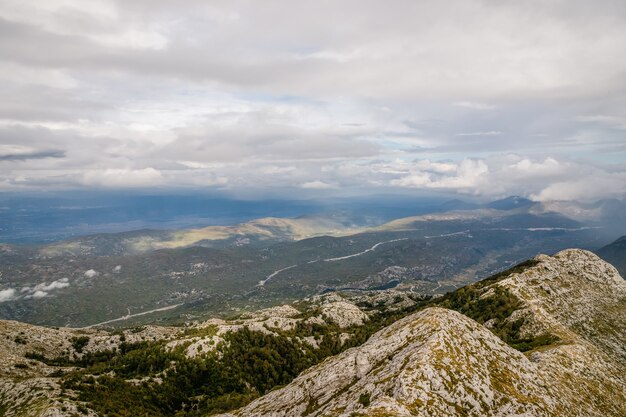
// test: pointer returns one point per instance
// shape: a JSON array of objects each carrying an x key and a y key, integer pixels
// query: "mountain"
[
  {"x": 544, "y": 338},
  {"x": 615, "y": 254},
  {"x": 609, "y": 214},
  {"x": 456, "y": 204},
  {"x": 96, "y": 279},
  {"x": 264, "y": 230},
  {"x": 209, "y": 366},
  {"x": 438, "y": 362},
  {"x": 510, "y": 203}
]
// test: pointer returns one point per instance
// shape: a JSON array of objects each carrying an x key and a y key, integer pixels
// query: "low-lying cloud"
[
  {"x": 37, "y": 291},
  {"x": 7, "y": 295},
  {"x": 90, "y": 273},
  {"x": 43, "y": 289}
]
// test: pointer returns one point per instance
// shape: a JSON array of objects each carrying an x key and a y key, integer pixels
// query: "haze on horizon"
[{"x": 471, "y": 98}]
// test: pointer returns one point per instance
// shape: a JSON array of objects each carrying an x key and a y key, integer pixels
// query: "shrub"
[{"x": 78, "y": 343}]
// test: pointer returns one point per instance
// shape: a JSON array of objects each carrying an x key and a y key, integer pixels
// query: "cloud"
[
  {"x": 230, "y": 96},
  {"x": 7, "y": 295},
  {"x": 597, "y": 185},
  {"x": 468, "y": 174},
  {"x": 43, "y": 289},
  {"x": 23, "y": 153},
  {"x": 474, "y": 105},
  {"x": 123, "y": 177},
  {"x": 90, "y": 273},
  {"x": 317, "y": 185},
  {"x": 61, "y": 283},
  {"x": 37, "y": 294},
  {"x": 615, "y": 122},
  {"x": 488, "y": 133},
  {"x": 544, "y": 179}
]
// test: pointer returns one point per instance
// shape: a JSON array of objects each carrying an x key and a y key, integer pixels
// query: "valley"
[{"x": 98, "y": 279}]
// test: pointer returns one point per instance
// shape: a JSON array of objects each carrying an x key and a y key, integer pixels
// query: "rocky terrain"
[
  {"x": 542, "y": 339},
  {"x": 438, "y": 362},
  {"x": 36, "y": 362}
]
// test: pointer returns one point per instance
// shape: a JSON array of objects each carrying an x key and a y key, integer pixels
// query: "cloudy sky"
[{"x": 481, "y": 98}]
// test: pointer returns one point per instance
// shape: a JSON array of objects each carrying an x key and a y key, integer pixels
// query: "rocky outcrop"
[
  {"x": 343, "y": 314},
  {"x": 440, "y": 363}
]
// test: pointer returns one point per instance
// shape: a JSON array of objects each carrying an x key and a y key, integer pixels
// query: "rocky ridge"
[
  {"x": 33, "y": 358},
  {"x": 565, "y": 314},
  {"x": 438, "y": 362}
]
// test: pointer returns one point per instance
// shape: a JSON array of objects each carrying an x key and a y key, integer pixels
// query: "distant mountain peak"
[{"x": 510, "y": 203}]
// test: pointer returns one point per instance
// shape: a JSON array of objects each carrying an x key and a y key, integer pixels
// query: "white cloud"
[
  {"x": 615, "y": 122},
  {"x": 487, "y": 133},
  {"x": 598, "y": 184},
  {"x": 37, "y": 294},
  {"x": 144, "y": 177},
  {"x": 61, "y": 283},
  {"x": 117, "y": 269},
  {"x": 474, "y": 105},
  {"x": 317, "y": 185},
  {"x": 43, "y": 289},
  {"x": 416, "y": 180},
  {"x": 90, "y": 273},
  {"x": 112, "y": 94},
  {"x": 544, "y": 179},
  {"x": 7, "y": 295}
]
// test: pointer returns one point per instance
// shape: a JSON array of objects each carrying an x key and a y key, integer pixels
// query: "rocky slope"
[
  {"x": 438, "y": 362},
  {"x": 36, "y": 362},
  {"x": 545, "y": 338}
]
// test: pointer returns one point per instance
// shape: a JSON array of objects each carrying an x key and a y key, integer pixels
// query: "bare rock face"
[
  {"x": 427, "y": 358},
  {"x": 440, "y": 363},
  {"x": 575, "y": 295},
  {"x": 343, "y": 314}
]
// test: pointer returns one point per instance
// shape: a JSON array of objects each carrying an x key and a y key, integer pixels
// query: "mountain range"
[
  {"x": 543, "y": 338},
  {"x": 178, "y": 275}
]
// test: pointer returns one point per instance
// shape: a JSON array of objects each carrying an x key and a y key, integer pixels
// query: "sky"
[{"x": 290, "y": 98}]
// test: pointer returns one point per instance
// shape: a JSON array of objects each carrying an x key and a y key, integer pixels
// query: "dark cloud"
[{"x": 23, "y": 156}]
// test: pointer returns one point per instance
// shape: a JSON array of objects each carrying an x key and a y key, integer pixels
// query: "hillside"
[
  {"x": 570, "y": 310},
  {"x": 544, "y": 338},
  {"x": 95, "y": 279},
  {"x": 268, "y": 229},
  {"x": 615, "y": 254},
  {"x": 201, "y": 367}
]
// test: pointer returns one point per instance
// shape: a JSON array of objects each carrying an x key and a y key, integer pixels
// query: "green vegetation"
[
  {"x": 78, "y": 343},
  {"x": 149, "y": 379},
  {"x": 152, "y": 380},
  {"x": 364, "y": 399},
  {"x": 220, "y": 281},
  {"x": 484, "y": 301}
]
